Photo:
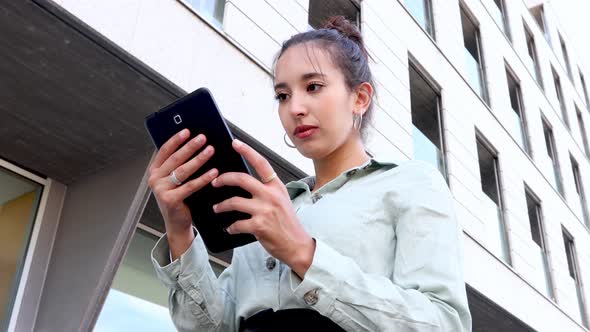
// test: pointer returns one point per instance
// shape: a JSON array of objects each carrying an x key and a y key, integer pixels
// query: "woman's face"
[{"x": 313, "y": 94}]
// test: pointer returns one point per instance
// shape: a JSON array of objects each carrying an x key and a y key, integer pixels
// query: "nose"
[{"x": 297, "y": 107}]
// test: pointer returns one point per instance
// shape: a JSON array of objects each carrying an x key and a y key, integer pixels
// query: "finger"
[
  {"x": 236, "y": 203},
  {"x": 194, "y": 185},
  {"x": 181, "y": 156},
  {"x": 245, "y": 226},
  {"x": 168, "y": 148},
  {"x": 242, "y": 180},
  {"x": 260, "y": 164},
  {"x": 185, "y": 170}
]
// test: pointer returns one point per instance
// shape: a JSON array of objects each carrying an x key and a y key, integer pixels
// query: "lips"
[
  {"x": 304, "y": 131},
  {"x": 302, "y": 128}
]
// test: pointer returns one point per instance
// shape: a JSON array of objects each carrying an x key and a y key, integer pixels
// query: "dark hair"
[{"x": 344, "y": 43}]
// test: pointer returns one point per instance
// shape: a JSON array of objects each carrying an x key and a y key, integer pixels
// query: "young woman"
[{"x": 364, "y": 245}]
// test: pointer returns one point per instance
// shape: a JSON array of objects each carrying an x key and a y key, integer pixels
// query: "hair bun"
[{"x": 345, "y": 28}]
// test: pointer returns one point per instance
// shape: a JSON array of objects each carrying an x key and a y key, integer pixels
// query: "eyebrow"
[{"x": 304, "y": 77}]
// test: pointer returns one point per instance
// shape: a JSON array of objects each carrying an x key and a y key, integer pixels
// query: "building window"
[
  {"x": 501, "y": 16},
  {"x": 584, "y": 88},
  {"x": 537, "y": 234},
  {"x": 421, "y": 10},
  {"x": 321, "y": 10},
  {"x": 566, "y": 58},
  {"x": 559, "y": 95},
  {"x": 533, "y": 60},
  {"x": 19, "y": 202},
  {"x": 582, "y": 208},
  {"x": 473, "y": 55},
  {"x": 137, "y": 300},
  {"x": 553, "y": 162},
  {"x": 492, "y": 206},
  {"x": 517, "y": 120},
  {"x": 211, "y": 9},
  {"x": 573, "y": 285},
  {"x": 539, "y": 14},
  {"x": 426, "y": 119},
  {"x": 583, "y": 132}
]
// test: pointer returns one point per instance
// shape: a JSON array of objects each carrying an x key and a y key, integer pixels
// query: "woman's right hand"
[{"x": 169, "y": 196}]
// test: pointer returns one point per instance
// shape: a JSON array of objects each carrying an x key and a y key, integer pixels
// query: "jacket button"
[
  {"x": 316, "y": 198},
  {"x": 270, "y": 263},
  {"x": 311, "y": 297}
]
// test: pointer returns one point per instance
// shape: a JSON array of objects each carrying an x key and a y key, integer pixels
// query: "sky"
[{"x": 573, "y": 21}]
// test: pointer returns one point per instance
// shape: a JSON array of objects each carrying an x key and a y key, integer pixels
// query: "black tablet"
[{"x": 199, "y": 113}]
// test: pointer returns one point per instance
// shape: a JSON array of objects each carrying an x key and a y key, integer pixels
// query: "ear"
[{"x": 364, "y": 95}]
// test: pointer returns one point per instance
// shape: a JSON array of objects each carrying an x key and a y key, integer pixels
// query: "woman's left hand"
[{"x": 273, "y": 222}]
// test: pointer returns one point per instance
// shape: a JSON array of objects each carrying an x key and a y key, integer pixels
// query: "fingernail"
[
  {"x": 212, "y": 172},
  {"x": 214, "y": 182},
  {"x": 215, "y": 207},
  {"x": 184, "y": 133},
  {"x": 199, "y": 139},
  {"x": 237, "y": 142}
]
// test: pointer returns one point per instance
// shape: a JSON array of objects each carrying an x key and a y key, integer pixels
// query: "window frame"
[
  {"x": 421, "y": 71},
  {"x": 566, "y": 58},
  {"x": 532, "y": 48},
  {"x": 583, "y": 132},
  {"x": 579, "y": 186},
  {"x": 543, "y": 26},
  {"x": 552, "y": 153},
  {"x": 315, "y": 25},
  {"x": 483, "y": 141},
  {"x": 542, "y": 235},
  {"x": 584, "y": 88},
  {"x": 501, "y": 4},
  {"x": 521, "y": 111},
  {"x": 465, "y": 11},
  {"x": 573, "y": 268},
  {"x": 561, "y": 98}
]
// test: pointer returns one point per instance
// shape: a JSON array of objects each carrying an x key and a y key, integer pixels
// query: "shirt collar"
[{"x": 296, "y": 187}]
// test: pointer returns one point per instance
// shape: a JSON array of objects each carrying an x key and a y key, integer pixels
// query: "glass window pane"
[
  {"x": 420, "y": 10},
  {"x": 19, "y": 201},
  {"x": 473, "y": 56},
  {"x": 137, "y": 300},
  {"x": 426, "y": 133},
  {"x": 320, "y": 10},
  {"x": 211, "y": 9}
]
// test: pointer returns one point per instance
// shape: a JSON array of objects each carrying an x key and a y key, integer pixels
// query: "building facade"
[{"x": 488, "y": 91}]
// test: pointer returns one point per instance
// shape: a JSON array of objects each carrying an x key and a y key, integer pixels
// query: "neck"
[{"x": 349, "y": 155}]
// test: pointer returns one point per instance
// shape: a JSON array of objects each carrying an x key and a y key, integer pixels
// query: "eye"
[
  {"x": 281, "y": 97},
  {"x": 313, "y": 87}
]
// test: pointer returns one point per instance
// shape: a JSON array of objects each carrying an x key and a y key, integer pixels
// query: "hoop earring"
[
  {"x": 354, "y": 121},
  {"x": 286, "y": 142}
]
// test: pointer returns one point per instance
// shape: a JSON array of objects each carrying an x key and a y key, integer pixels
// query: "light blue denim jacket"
[{"x": 388, "y": 257}]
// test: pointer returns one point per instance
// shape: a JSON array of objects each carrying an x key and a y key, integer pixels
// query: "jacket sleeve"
[
  {"x": 426, "y": 291},
  {"x": 197, "y": 299}
]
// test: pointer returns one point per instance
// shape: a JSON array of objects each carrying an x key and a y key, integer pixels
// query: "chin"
[{"x": 311, "y": 152}]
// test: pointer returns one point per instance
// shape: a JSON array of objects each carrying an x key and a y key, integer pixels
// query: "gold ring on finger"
[{"x": 270, "y": 178}]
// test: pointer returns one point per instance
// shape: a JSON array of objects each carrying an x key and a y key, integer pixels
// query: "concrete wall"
[
  {"x": 169, "y": 37},
  {"x": 94, "y": 212}
]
